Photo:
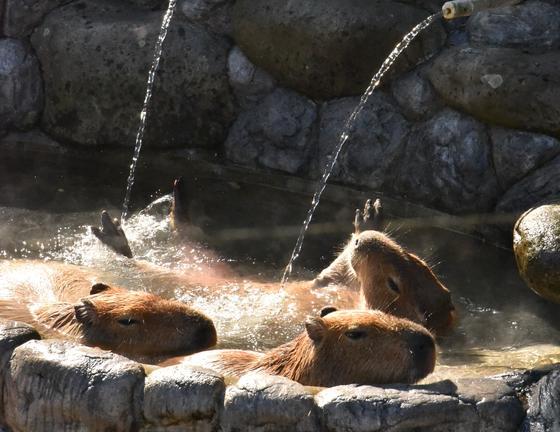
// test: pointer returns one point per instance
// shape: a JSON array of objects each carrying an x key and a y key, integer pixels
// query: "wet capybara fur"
[
  {"x": 62, "y": 300},
  {"x": 340, "y": 347}
]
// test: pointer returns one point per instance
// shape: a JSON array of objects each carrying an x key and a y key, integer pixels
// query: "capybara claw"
[
  {"x": 371, "y": 218},
  {"x": 112, "y": 235}
]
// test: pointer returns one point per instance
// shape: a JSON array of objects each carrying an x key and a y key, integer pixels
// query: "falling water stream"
[
  {"x": 166, "y": 21},
  {"x": 375, "y": 81}
]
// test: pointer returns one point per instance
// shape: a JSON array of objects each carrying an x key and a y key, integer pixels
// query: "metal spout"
[{"x": 459, "y": 8}]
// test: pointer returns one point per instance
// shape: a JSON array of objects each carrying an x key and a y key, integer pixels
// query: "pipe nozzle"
[{"x": 460, "y": 8}]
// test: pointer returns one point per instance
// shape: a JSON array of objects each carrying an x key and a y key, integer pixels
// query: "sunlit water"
[
  {"x": 503, "y": 325},
  {"x": 158, "y": 50},
  {"x": 345, "y": 134}
]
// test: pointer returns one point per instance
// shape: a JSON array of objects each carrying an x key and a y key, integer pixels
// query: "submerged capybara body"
[
  {"x": 63, "y": 300},
  {"x": 341, "y": 347}
]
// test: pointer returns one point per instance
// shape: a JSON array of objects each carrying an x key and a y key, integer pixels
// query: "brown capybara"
[
  {"x": 380, "y": 273},
  {"x": 62, "y": 300},
  {"x": 341, "y": 347}
]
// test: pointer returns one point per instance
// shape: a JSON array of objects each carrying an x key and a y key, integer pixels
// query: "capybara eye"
[
  {"x": 355, "y": 334},
  {"x": 127, "y": 321},
  {"x": 393, "y": 286}
]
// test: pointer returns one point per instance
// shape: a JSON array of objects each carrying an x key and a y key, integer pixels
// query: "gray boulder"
[
  {"x": 543, "y": 414},
  {"x": 261, "y": 402},
  {"x": 53, "y": 386},
  {"x": 149, "y": 4},
  {"x": 536, "y": 244},
  {"x": 448, "y": 165},
  {"x": 21, "y": 92},
  {"x": 501, "y": 86},
  {"x": 276, "y": 133},
  {"x": 375, "y": 142},
  {"x": 329, "y": 48},
  {"x": 416, "y": 96},
  {"x": 22, "y": 16},
  {"x": 531, "y": 25},
  {"x": 214, "y": 14},
  {"x": 249, "y": 82},
  {"x": 95, "y": 58},
  {"x": 536, "y": 187},
  {"x": 517, "y": 153},
  {"x": 190, "y": 398}
]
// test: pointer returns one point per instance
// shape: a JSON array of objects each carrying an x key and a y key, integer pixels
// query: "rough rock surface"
[
  {"x": 540, "y": 185},
  {"x": 184, "y": 397},
  {"x": 22, "y": 16},
  {"x": 53, "y": 385},
  {"x": 215, "y": 14},
  {"x": 276, "y": 133},
  {"x": 543, "y": 414},
  {"x": 531, "y": 25},
  {"x": 12, "y": 334},
  {"x": 21, "y": 93},
  {"x": 268, "y": 403},
  {"x": 249, "y": 82},
  {"x": 95, "y": 58},
  {"x": 517, "y": 153},
  {"x": 375, "y": 141},
  {"x": 448, "y": 165},
  {"x": 536, "y": 243},
  {"x": 150, "y": 4},
  {"x": 416, "y": 96},
  {"x": 501, "y": 86},
  {"x": 329, "y": 48}
]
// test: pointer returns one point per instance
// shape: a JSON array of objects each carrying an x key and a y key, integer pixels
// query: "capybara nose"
[
  {"x": 423, "y": 351},
  {"x": 205, "y": 337}
]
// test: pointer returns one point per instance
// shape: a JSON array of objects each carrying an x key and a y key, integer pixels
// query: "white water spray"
[
  {"x": 375, "y": 81},
  {"x": 147, "y": 99}
]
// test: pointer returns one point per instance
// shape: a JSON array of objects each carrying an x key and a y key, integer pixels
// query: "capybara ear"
[
  {"x": 99, "y": 288},
  {"x": 85, "y": 312},
  {"x": 327, "y": 310},
  {"x": 315, "y": 328}
]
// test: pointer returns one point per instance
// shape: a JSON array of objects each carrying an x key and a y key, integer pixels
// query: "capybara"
[
  {"x": 63, "y": 300},
  {"x": 380, "y": 273},
  {"x": 340, "y": 347}
]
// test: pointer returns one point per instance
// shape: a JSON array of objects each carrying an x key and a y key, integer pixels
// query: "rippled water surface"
[{"x": 503, "y": 325}]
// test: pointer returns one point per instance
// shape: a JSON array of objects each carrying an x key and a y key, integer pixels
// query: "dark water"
[{"x": 251, "y": 226}]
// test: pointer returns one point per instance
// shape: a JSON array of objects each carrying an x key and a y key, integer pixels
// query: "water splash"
[
  {"x": 375, "y": 81},
  {"x": 147, "y": 99}
]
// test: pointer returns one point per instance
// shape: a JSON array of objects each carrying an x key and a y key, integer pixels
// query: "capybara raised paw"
[
  {"x": 371, "y": 218},
  {"x": 112, "y": 235}
]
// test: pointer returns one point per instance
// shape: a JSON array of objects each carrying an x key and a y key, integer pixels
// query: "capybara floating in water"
[
  {"x": 379, "y": 273},
  {"x": 340, "y": 347},
  {"x": 62, "y": 300}
]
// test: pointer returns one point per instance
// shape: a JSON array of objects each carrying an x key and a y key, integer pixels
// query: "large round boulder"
[
  {"x": 536, "y": 243},
  {"x": 95, "y": 58},
  {"x": 502, "y": 86},
  {"x": 329, "y": 48}
]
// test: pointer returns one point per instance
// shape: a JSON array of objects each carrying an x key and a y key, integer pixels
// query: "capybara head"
[
  {"x": 141, "y": 324},
  {"x": 398, "y": 282},
  {"x": 365, "y": 347}
]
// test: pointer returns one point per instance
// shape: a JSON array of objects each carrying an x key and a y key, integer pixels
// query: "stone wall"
[
  {"x": 467, "y": 121},
  {"x": 49, "y": 385}
]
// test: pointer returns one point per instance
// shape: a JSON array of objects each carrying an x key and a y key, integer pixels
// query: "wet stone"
[
  {"x": 447, "y": 164},
  {"x": 183, "y": 396},
  {"x": 376, "y": 140},
  {"x": 261, "y": 402},
  {"x": 416, "y": 96},
  {"x": 536, "y": 244},
  {"x": 249, "y": 82},
  {"x": 518, "y": 153},
  {"x": 530, "y": 25},
  {"x": 214, "y": 14},
  {"x": 542, "y": 184},
  {"x": 21, "y": 92},
  {"x": 276, "y": 133},
  {"x": 54, "y": 385},
  {"x": 543, "y": 414},
  {"x": 22, "y": 16}
]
